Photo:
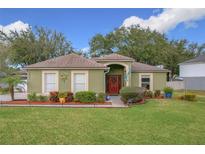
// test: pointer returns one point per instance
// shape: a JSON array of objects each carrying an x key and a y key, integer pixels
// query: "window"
[
  {"x": 50, "y": 82},
  {"x": 79, "y": 81},
  {"x": 145, "y": 81}
]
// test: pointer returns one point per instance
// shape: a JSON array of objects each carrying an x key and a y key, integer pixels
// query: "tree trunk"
[{"x": 11, "y": 89}]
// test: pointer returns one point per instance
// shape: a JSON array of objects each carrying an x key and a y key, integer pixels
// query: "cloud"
[
  {"x": 85, "y": 50},
  {"x": 16, "y": 26},
  {"x": 190, "y": 24},
  {"x": 168, "y": 19}
]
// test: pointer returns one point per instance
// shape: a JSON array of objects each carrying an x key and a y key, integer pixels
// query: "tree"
[
  {"x": 32, "y": 46},
  {"x": 197, "y": 49},
  {"x": 176, "y": 53},
  {"x": 144, "y": 45},
  {"x": 11, "y": 81},
  {"x": 101, "y": 45},
  {"x": 3, "y": 57}
]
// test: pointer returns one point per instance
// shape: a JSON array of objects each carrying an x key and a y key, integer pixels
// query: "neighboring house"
[
  {"x": 103, "y": 74},
  {"x": 20, "y": 87},
  {"x": 193, "y": 72}
]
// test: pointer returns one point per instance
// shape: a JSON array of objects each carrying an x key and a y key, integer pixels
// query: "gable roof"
[
  {"x": 199, "y": 59},
  {"x": 140, "y": 67},
  {"x": 113, "y": 57},
  {"x": 68, "y": 61}
]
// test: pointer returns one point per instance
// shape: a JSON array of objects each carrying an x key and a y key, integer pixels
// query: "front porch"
[{"x": 117, "y": 77}]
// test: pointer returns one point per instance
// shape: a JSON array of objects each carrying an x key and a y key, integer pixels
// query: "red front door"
[{"x": 113, "y": 84}]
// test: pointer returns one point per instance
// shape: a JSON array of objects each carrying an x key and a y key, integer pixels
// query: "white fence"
[{"x": 176, "y": 85}]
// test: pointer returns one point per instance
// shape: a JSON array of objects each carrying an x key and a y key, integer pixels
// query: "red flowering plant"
[{"x": 53, "y": 96}]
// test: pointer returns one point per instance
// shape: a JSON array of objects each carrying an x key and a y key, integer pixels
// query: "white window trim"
[
  {"x": 56, "y": 80},
  {"x": 151, "y": 79},
  {"x": 86, "y": 79}
]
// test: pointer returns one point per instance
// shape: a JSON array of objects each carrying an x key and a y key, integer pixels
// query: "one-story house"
[
  {"x": 193, "y": 73},
  {"x": 106, "y": 74}
]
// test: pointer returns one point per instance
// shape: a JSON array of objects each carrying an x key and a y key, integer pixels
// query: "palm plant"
[{"x": 11, "y": 81}]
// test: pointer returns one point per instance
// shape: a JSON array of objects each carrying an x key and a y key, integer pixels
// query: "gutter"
[{"x": 64, "y": 68}]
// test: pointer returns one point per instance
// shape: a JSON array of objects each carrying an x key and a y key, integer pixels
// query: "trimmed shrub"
[
  {"x": 157, "y": 93},
  {"x": 32, "y": 97},
  {"x": 42, "y": 98},
  {"x": 187, "y": 97},
  {"x": 35, "y": 98},
  {"x": 69, "y": 97},
  {"x": 190, "y": 97},
  {"x": 148, "y": 94},
  {"x": 128, "y": 93},
  {"x": 101, "y": 97},
  {"x": 86, "y": 96},
  {"x": 76, "y": 100},
  {"x": 53, "y": 96}
]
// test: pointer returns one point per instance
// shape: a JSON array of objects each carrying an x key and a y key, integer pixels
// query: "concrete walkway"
[{"x": 116, "y": 102}]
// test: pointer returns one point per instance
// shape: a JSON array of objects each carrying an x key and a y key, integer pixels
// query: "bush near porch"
[
  {"x": 133, "y": 94},
  {"x": 85, "y": 96}
]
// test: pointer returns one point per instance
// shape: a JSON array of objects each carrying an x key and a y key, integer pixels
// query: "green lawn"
[{"x": 156, "y": 122}]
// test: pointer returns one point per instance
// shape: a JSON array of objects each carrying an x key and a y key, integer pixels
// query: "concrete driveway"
[{"x": 7, "y": 97}]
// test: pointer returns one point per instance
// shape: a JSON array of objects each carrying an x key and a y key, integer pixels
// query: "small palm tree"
[{"x": 11, "y": 81}]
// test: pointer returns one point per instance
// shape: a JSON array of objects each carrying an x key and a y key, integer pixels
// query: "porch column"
[{"x": 128, "y": 75}]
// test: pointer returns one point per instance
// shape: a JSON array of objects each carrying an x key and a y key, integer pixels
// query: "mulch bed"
[{"x": 23, "y": 102}]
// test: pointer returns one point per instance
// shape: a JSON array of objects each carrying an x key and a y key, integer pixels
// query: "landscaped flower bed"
[
  {"x": 65, "y": 98},
  {"x": 52, "y": 103}
]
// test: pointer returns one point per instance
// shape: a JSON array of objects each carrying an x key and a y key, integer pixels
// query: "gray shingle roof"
[
  {"x": 113, "y": 56},
  {"x": 140, "y": 67},
  {"x": 199, "y": 59},
  {"x": 68, "y": 61}
]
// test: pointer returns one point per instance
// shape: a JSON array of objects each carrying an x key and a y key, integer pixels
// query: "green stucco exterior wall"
[
  {"x": 64, "y": 84},
  {"x": 96, "y": 81},
  {"x": 159, "y": 80},
  {"x": 95, "y": 77},
  {"x": 135, "y": 79},
  {"x": 34, "y": 81}
]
